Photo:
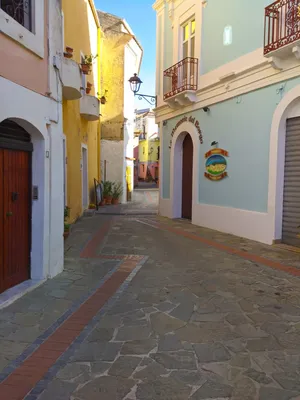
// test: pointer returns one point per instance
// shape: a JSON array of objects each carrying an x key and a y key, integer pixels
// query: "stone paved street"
[{"x": 188, "y": 314}]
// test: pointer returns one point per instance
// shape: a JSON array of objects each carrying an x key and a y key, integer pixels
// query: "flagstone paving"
[{"x": 179, "y": 318}]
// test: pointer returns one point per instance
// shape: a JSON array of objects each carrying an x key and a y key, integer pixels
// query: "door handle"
[{"x": 9, "y": 214}]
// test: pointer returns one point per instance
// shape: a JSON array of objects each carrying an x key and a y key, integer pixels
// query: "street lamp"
[{"x": 135, "y": 84}]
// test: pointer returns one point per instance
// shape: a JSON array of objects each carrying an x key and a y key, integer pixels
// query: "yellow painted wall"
[
  {"x": 143, "y": 151},
  {"x": 145, "y": 144},
  {"x": 82, "y": 34},
  {"x": 153, "y": 156},
  {"x": 112, "y": 83}
]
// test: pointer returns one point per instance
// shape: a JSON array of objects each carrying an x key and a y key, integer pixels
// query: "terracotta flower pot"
[
  {"x": 68, "y": 55},
  {"x": 69, "y": 50},
  {"x": 66, "y": 234},
  {"x": 102, "y": 203},
  {"x": 115, "y": 201},
  {"x": 85, "y": 68},
  {"x": 108, "y": 200},
  {"x": 88, "y": 90}
]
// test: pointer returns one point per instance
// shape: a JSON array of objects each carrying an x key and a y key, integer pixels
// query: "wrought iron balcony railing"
[
  {"x": 282, "y": 24},
  {"x": 181, "y": 77}
]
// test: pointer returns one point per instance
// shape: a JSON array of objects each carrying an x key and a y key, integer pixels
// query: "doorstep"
[{"x": 14, "y": 293}]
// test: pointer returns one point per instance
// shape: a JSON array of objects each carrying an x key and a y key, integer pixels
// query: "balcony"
[
  {"x": 181, "y": 82},
  {"x": 71, "y": 79},
  {"x": 282, "y": 30},
  {"x": 89, "y": 108}
]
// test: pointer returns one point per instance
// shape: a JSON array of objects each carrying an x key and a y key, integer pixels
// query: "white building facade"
[
  {"x": 229, "y": 116},
  {"x": 31, "y": 146}
]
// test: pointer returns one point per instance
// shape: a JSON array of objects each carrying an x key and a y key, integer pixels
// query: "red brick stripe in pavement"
[
  {"x": 231, "y": 250},
  {"x": 20, "y": 382},
  {"x": 90, "y": 249}
]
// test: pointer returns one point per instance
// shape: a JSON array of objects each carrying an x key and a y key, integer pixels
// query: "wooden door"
[
  {"x": 187, "y": 177},
  {"x": 15, "y": 217}
]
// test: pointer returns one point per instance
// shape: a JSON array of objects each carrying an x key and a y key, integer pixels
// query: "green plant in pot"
[
  {"x": 107, "y": 191},
  {"x": 87, "y": 63},
  {"x": 117, "y": 192},
  {"x": 66, "y": 225}
]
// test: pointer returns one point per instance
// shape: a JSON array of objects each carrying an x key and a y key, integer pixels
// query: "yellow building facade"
[{"x": 81, "y": 114}]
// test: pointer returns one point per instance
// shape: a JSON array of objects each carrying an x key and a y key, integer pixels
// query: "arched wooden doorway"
[
  {"x": 15, "y": 204},
  {"x": 187, "y": 177}
]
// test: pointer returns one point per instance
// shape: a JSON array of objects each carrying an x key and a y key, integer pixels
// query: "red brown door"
[
  {"x": 14, "y": 217},
  {"x": 187, "y": 177}
]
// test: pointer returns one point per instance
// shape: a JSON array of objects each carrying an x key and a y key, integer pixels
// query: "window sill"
[{"x": 21, "y": 35}]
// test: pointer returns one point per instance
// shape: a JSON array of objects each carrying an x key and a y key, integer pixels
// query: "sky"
[{"x": 141, "y": 17}]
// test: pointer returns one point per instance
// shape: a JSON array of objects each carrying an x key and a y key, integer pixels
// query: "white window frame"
[
  {"x": 188, "y": 23},
  {"x": 33, "y": 41}
]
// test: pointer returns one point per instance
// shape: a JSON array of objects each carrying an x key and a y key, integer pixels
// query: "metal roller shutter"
[{"x": 291, "y": 193}]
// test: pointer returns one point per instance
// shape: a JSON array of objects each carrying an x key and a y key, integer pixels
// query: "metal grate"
[{"x": 19, "y": 10}]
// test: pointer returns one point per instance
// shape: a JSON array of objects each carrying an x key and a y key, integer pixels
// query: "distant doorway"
[
  {"x": 84, "y": 176},
  {"x": 187, "y": 177}
]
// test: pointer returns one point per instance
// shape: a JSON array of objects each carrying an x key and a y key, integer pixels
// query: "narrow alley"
[{"x": 149, "y": 308}]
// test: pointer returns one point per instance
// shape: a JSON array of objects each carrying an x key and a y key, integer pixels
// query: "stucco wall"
[
  {"x": 20, "y": 65},
  {"x": 80, "y": 33},
  {"x": 112, "y": 80},
  {"x": 247, "y": 21},
  {"x": 242, "y": 127}
]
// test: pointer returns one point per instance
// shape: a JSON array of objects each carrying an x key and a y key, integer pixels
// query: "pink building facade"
[{"x": 31, "y": 142}]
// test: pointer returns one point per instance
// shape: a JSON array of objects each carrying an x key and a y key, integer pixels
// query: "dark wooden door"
[
  {"x": 187, "y": 177},
  {"x": 15, "y": 217}
]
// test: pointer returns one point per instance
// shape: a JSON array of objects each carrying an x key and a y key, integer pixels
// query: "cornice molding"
[
  {"x": 243, "y": 82},
  {"x": 158, "y": 5}
]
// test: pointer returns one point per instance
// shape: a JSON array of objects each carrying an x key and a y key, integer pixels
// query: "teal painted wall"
[
  {"x": 242, "y": 127},
  {"x": 247, "y": 21}
]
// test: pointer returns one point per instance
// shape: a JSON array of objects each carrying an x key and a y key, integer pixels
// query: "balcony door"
[{"x": 188, "y": 51}]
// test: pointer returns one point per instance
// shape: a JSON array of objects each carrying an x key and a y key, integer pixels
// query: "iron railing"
[
  {"x": 19, "y": 10},
  {"x": 181, "y": 77},
  {"x": 282, "y": 24}
]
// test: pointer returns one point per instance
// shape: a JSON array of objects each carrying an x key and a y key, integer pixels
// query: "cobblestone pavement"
[{"x": 193, "y": 314}]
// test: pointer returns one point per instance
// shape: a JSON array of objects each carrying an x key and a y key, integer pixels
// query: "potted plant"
[
  {"x": 102, "y": 203},
  {"x": 117, "y": 192},
  {"x": 107, "y": 192},
  {"x": 92, "y": 206},
  {"x": 66, "y": 225},
  {"x": 88, "y": 90},
  {"x": 89, "y": 84},
  {"x": 69, "y": 52},
  {"x": 66, "y": 230},
  {"x": 87, "y": 63}
]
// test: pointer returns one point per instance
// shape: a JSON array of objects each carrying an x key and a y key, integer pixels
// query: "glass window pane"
[
  {"x": 193, "y": 27},
  {"x": 185, "y": 50},
  {"x": 186, "y": 32},
  {"x": 193, "y": 47}
]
